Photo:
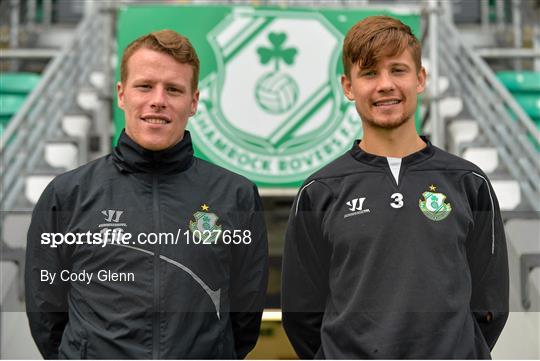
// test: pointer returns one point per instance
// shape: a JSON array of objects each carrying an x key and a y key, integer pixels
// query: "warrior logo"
[
  {"x": 113, "y": 225},
  {"x": 112, "y": 215},
  {"x": 433, "y": 205},
  {"x": 273, "y": 108},
  {"x": 356, "y": 204}
]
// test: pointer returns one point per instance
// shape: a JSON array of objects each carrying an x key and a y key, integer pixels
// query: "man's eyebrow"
[
  {"x": 176, "y": 85},
  {"x": 363, "y": 70},
  {"x": 153, "y": 81},
  {"x": 397, "y": 63},
  {"x": 143, "y": 80}
]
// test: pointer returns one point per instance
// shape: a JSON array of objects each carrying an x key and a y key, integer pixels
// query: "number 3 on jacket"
[{"x": 397, "y": 200}]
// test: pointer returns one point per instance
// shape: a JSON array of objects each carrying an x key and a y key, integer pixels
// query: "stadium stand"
[
  {"x": 495, "y": 131},
  {"x": 9, "y": 105},
  {"x": 62, "y": 118},
  {"x": 49, "y": 134},
  {"x": 520, "y": 81},
  {"x": 18, "y": 83},
  {"x": 525, "y": 87}
]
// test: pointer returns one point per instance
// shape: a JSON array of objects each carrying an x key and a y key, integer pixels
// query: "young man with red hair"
[
  {"x": 196, "y": 295},
  {"x": 396, "y": 249}
]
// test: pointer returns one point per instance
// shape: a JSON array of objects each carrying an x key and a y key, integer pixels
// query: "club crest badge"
[
  {"x": 205, "y": 221},
  {"x": 284, "y": 118},
  {"x": 433, "y": 205}
]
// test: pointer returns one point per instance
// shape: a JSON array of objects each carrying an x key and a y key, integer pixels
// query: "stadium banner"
[{"x": 271, "y": 105}]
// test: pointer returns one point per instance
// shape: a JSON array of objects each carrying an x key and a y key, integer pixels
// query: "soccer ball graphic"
[{"x": 276, "y": 92}]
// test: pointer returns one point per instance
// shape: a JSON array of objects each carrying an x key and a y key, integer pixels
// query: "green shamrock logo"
[{"x": 276, "y": 51}]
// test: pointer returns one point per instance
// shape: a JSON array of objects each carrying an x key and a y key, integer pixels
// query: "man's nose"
[
  {"x": 158, "y": 100},
  {"x": 385, "y": 82}
]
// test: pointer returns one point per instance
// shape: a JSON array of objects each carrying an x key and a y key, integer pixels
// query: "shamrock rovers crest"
[
  {"x": 433, "y": 205},
  {"x": 272, "y": 109},
  {"x": 276, "y": 92},
  {"x": 205, "y": 221}
]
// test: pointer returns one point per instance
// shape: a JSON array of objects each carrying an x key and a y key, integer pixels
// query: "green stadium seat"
[
  {"x": 537, "y": 122},
  {"x": 9, "y": 105},
  {"x": 530, "y": 103},
  {"x": 520, "y": 81},
  {"x": 18, "y": 83}
]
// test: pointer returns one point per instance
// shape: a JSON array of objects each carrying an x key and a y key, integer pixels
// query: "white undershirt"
[{"x": 395, "y": 165}]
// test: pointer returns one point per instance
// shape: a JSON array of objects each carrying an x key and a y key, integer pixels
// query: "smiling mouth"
[
  {"x": 155, "y": 120},
  {"x": 383, "y": 103}
]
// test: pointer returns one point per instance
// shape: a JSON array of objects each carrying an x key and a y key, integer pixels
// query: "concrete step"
[
  {"x": 486, "y": 158},
  {"x": 15, "y": 228},
  {"x": 450, "y": 107},
  {"x": 62, "y": 154},
  {"x": 56, "y": 36},
  {"x": 35, "y": 184},
  {"x": 443, "y": 84},
  {"x": 462, "y": 131},
  {"x": 97, "y": 79},
  {"x": 7, "y": 276},
  {"x": 534, "y": 279},
  {"x": 16, "y": 340},
  {"x": 76, "y": 125},
  {"x": 523, "y": 238},
  {"x": 508, "y": 193},
  {"x": 81, "y": 145},
  {"x": 476, "y": 36},
  {"x": 88, "y": 99},
  {"x": 519, "y": 338}
]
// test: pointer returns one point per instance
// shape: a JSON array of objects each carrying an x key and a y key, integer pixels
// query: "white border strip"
[
  {"x": 300, "y": 195},
  {"x": 492, "y": 214},
  {"x": 214, "y": 295}
]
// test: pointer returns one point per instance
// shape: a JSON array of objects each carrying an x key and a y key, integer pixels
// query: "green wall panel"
[{"x": 271, "y": 104}]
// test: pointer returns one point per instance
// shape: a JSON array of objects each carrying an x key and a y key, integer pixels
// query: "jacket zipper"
[{"x": 155, "y": 333}]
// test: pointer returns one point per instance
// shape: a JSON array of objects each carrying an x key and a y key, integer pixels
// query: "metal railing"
[
  {"x": 492, "y": 105},
  {"x": 40, "y": 117},
  {"x": 22, "y": 144}
]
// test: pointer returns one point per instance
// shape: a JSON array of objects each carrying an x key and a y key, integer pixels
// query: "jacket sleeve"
[
  {"x": 249, "y": 278},
  {"x": 305, "y": 271},
  {"x": 488, "y": 263},
  {"x": 46, "y": 303}
]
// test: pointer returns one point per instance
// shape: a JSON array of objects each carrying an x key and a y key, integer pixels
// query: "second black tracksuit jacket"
[{"x": 395, "y": 258}]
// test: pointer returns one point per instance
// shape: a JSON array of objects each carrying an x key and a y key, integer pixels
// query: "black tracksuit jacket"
[
  {"x": 370, "y": 272},
  {"x": 186, "y": 300}
]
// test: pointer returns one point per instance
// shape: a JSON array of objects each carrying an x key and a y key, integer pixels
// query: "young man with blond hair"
[
  {"x": 144, "y": 294},
  {"x": 396, "y": 249}
]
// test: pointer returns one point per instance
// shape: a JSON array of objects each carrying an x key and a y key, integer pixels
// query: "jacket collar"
[
  {"x": 130, "y": 157},
  {"x": 364, "y": 157}
]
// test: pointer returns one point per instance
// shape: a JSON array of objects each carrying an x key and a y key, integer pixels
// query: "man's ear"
[
  {"x": 194, "y": 103},
  {"x": 120, "y": 94},
  {"x": 421, "y": 80},
  {"x": 346, "y": 84}
]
